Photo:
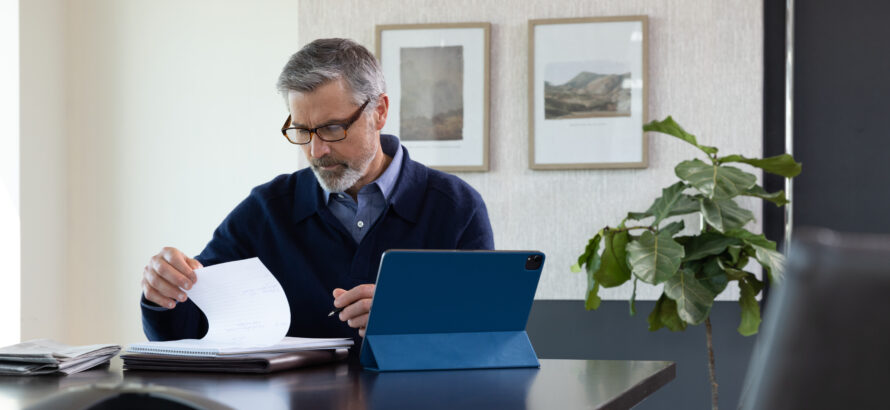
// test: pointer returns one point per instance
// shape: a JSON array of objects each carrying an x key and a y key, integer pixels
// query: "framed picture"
[
  {"x": 437, "y": 82},
  {"x": 587, "y": 88}
]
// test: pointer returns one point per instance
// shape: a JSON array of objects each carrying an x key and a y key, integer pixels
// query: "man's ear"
[{"x": 381, "y": 111}]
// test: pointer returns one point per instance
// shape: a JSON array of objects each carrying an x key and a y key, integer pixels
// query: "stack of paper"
[
  {"x": 44, "y": 356},
  {"x": 247, "y": 313}
]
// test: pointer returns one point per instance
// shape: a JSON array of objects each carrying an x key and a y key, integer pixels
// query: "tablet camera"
[{"x": 533, "y": 262}]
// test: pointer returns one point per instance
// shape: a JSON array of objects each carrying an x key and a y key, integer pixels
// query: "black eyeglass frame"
[{"x": 314, "y": 131}]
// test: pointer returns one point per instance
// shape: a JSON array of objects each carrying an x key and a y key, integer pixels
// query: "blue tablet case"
[{"x": 437, "y": 310}]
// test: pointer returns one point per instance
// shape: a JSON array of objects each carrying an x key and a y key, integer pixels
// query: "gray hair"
[{"x": 329, "y": 59}]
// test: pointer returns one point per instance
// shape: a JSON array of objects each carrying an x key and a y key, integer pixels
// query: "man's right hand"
[{"x": 166, "y": 274}]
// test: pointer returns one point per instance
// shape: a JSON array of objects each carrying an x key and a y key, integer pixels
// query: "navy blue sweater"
[{"x": 286, "y": 224}]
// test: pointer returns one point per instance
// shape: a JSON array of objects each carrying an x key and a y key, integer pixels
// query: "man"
[{"x": 321, "y": 230}]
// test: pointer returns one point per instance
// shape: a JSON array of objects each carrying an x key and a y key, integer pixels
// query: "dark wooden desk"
[{"x": 558, "y": 384}]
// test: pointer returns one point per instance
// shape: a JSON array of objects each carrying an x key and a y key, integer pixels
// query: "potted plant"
[{"x": 647, "y": 246}]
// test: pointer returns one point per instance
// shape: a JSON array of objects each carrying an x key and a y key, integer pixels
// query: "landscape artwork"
[
  {"x": 432, "y": 100},
  {"x": 586, "y": 89}
]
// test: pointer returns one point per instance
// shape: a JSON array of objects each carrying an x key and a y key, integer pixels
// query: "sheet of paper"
[{"x": 244, "y": 303}]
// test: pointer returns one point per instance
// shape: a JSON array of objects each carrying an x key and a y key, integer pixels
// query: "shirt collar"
[{"x": 392, "y": 147}]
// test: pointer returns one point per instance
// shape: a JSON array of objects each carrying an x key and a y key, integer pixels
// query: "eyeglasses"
[{"x": 329, "y": 133}]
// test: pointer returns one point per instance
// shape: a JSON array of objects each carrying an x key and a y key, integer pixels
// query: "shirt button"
[
  {"x": 360, "y": 224},
  {"x": 340, "y": 196}
]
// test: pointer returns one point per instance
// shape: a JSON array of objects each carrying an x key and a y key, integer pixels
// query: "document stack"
[
  {"x": 44, "y": 356},
  {"x": 202, "y": 356}
]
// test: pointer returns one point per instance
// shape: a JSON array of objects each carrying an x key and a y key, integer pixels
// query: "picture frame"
[
  {"x": 588, "y": 104},
  {"x": 437, "y": 78}
]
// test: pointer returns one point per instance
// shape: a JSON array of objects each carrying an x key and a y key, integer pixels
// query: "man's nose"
[{"x": 318, "y": 147}]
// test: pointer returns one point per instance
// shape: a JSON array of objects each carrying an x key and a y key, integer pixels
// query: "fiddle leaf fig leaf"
[
  {"x": 764, "y": 252},
  {"x": 671, "y": 202},
  {"x": 715, "y": 181},
  {"x": 751, "y": 239},
  {"x": 783, "y": 165},
  {"x": 772, "y": 261},
  {"x": 707, "y": 244},
  {"x": 665, "y": 315},
  {"x": 633, "y": 299},
  {"x": 670, "y": 127},
  {"x": 592, "y": 299},
  {"x": 731, "y": 272},
  {"x": 593, "y": 246},
  {"x": 693, "y": 299},
  {"x": 750, "y": 308},
  {"x": 673, "y": 228},
  {"x": 777, "y": 197},
  {"x": 713, "y": 276},
  {"x": 613, "y": 270},
  {"x": 725, "y": 214},
  {"x": 654, "y": 258}
]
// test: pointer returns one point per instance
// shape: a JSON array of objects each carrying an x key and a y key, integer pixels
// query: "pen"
[{"x": 335, "y": 311}]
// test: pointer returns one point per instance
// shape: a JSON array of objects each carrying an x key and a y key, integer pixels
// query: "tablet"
[{"x": 452, "y": 309}]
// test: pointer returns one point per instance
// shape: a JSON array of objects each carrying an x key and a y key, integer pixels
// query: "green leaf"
[
  {"x": 673, "y": 228},
  {"x": 665, "y": 315},
  {"x": 593, "y": 246},
  {"x": 671, "y": 202},
  {"x": 670, "y": 127},
  {"x": 734, "y": 251},
  {"x": 693, "y": 299},
  {"x": 772, "y": 261},
  {"x": 731, "y": 272},
  {"x": 715, "y": 181},
  {"x": 592, "y": 302},
  {"x": 592, "y": 299},
  {"x": 777, "y": 197},
  {"x": 750, "y": 238},
  {"x": 725, "y": 214},
  {"x": 783, "y": 165},
  {"x": 633, "y": 300},
  {"x": 764, "y": 252},
  {"x": 654, "y": 258},
  {"x": 636, "y": 216},
  {"x": 750, "y": 309},
  {"x": 713, "y": 276},
  {"x": 613, "y": 271},
  {"x": 707, "y": 244}
]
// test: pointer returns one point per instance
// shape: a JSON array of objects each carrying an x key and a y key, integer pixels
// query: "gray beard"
[{"x": 334, "y": 181}]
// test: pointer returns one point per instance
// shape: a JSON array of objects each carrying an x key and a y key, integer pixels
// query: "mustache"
[{"x": 326, "y": 161}]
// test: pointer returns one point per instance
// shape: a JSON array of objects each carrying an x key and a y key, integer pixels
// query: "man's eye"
[
  {"x": 333, "y": 127},
  {"x": 303, "y": 131}
]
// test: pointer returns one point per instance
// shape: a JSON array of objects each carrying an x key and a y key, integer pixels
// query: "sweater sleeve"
[{"x": 231, "y": 241}]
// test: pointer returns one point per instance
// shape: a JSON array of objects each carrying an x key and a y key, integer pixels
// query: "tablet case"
[{"x": 438, "y": 310}]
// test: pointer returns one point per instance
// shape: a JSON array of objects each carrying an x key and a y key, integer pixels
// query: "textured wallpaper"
[{"x": 705, "y": 69}]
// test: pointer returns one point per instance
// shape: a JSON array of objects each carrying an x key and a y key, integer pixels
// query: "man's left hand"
[{"x": 357, "y": 302}]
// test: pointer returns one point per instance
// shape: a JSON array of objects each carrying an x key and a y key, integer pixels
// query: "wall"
[
  {"x": 170, "y": 116},
  {"x": 44, "y": 157},
  {"x": 10, "y": 309},
  {"x": 705, "y": 69}
]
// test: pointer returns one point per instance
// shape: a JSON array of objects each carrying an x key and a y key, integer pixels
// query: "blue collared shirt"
[{"x": 359, "y": 217}]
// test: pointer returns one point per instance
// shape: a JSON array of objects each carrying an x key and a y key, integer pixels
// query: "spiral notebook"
[{"x": 201, "y": 348}]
